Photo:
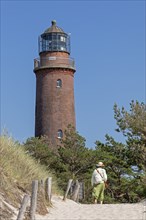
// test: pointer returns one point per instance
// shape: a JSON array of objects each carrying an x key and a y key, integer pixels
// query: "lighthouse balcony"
[{"x": 54, "y": 62}]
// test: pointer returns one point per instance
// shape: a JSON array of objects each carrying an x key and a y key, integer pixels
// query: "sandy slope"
[{"x": 70, "y": 210}]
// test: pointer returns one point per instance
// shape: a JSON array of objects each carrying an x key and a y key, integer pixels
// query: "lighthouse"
[{"x": 54, "y": 70}]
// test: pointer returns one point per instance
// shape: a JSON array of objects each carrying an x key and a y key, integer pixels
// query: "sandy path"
[{"x": 70, "y": 210}]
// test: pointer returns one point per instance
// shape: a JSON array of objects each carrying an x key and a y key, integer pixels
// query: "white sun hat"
[{"x": 100, "y": 164}]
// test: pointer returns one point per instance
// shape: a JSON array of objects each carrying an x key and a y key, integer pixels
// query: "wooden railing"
[{"x": 45, "y": 188}]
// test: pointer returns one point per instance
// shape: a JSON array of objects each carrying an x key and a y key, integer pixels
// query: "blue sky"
[{"x": 108, "y": 45}]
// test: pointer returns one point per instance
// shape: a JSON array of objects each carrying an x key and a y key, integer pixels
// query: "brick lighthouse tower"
[{"x": 54, "y": 70}]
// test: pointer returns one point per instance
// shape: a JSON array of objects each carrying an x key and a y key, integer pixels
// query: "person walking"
[{"x": 99, "y": 177}]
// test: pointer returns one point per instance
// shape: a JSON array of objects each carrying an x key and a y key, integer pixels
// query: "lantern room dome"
[{"x": 54, "y": 28}]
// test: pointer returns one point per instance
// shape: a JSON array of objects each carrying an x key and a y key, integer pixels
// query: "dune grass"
[{"x": 18, "y": 169}]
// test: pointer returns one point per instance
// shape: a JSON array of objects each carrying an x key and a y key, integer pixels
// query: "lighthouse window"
[
  {"x": 59, "y": 83},
  {"x": 60, "y": 134}
]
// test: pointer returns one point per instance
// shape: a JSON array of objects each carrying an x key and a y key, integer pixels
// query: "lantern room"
[{"x": 54, "y": 39}]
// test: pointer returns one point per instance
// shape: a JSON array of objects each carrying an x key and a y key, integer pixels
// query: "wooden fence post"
[
  {"x": 68, "y": 188},
  {"x": 49, "y": 189},
  {"x": 76, "y": 191},
  {"x": 33, "y": 199},
  {"x": 81, "y": 191},
  {"x": 42, "y": 184},
  {"x": 23, "y": 207},
  {"x": 42, "y": 188}
]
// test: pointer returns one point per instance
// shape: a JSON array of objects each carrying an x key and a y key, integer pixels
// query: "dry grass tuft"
[{"x": 17, "y": 171}]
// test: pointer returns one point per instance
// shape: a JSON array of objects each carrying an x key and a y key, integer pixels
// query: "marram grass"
[{"x": 18, "y": 169}]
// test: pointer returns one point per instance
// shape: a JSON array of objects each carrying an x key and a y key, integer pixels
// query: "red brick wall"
[{"x": 54, "y": 106}]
